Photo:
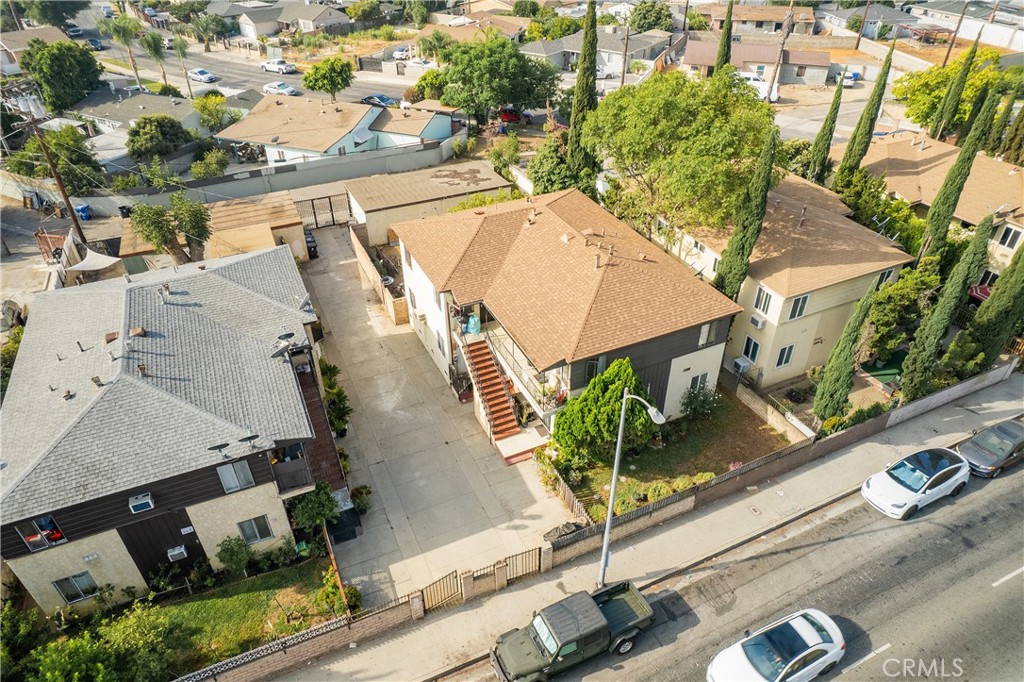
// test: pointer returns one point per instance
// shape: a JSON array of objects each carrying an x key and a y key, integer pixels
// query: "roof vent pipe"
[
  {"x": 142, "y": 370},
  {"x": 597, "y": 261}
]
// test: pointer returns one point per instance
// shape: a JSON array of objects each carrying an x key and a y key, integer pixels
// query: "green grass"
[
  {"x": 111, "y": 61},
  {"x": 890, "y": 370},
  {"x": 235, "y": 618}
]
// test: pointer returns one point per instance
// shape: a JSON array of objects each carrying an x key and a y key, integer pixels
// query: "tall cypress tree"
[
  {"x": 830, "y": 400},
  {"x": 995, "y": 136},
  {"x": 950, "y": 104},
  {"x": 1012, "y": 148},
  {"x": 817, "y": 170},
  {"x": 747, "y": 223},
  {"x": 975, "y": 348},
  {"x": 860, "y": 140},
  {"x": 584, "y": 98},
  {"x": 725, "y": 41},
  {"x": 940, "y": 213},
  {"x": 922, "y": 361},
  {"x": 979, "y": 101}
]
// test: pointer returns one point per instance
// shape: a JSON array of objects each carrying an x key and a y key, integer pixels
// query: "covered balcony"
[{"x": 291, "y": 470}]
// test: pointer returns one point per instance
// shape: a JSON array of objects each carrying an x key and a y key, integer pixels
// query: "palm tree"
[
  {"x": 153, "y": 44},
  {"x": 123, "y": 29},
  {"x": 206, "y": 28},
  {"x": 180, "y": 47},
  {"x": 434, "y": 45}
]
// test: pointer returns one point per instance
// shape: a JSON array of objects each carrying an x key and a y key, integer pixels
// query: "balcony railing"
[
  {"x": 292, "y": 474},
  {"x": 545, "y": 396}
]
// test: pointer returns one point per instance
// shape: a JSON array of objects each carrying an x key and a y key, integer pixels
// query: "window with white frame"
[
  {"x": 698, "y": 382},
  {"x": 750, "y": 349},
  {"x": 594, "y": 366},
  {"x": 988, "y": 278},
  {"x": 762, "y": 300},
  {"x": 785, "y": 356},
  {"x": 714, "y": 265},
  {"x": 255, "y": 530},
  {"x": 708, "y": 334},
  {"x": 76, "y": 587},
  {"x": 40, "y": 533},
  {"x": 883, "y": 277},
  {"x": 1010, "y": 237},
  {"x": 700, "y": 248},
  {"x": 799, "y": 307},
  {"x": 235, "y": 476}
]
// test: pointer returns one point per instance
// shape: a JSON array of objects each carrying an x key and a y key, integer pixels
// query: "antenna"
[
  {"x": 304, "y": 303},
  {"x": 281, "y": 348}
]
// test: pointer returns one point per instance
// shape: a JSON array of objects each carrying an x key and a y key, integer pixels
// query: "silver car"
[{"x": 994, "y": 449}]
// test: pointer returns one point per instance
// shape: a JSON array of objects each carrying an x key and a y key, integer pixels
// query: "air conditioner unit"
[
  {"x": 757, "y": 321},
  {"x": 141, "y": 503},
  {"x": 177, "y": 553},
  {"x": 741, "y": 365}
]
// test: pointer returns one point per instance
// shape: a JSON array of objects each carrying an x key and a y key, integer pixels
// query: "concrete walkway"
[
  {"x": 443, "y": 499},
  {"x": 443, "y": 640}
]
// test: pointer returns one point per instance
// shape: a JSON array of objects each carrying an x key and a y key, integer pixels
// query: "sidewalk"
[{"x": 444, "y": 640}]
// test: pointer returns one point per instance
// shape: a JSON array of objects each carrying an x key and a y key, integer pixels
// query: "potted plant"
[
  {"x": 338, "y": 410},
  {"x": 361, "y": 498}
]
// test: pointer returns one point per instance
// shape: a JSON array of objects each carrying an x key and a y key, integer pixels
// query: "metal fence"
[
  {"x": 443, "y": 593},
  {"x": 523, "y": 564},
  {"x": 323, "y": 211}
]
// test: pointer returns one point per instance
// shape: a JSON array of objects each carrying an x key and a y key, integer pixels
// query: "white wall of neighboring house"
[
  {"x": 685, "y": 368},
  {"x": 251, "y": 30},
  {"x": 999, "y": 256},
  {"x": 427, "y": 314},
  {"x": 217, "y": 519},
  {"x": 997, "y": 34}
]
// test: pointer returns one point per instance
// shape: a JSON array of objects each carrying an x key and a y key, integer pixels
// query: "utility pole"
[
  {"x": 14, "y": 14},
  {"x": 625, "y": 55},
  {"x": 956, "y": 32},
  {"x": 992, "y": 14},
  {"x": 863, "y": 20},
  {"x": 56, "y": 177},
  {"x": 787, "y": 28},
  {"x": 686, "y": 15}
]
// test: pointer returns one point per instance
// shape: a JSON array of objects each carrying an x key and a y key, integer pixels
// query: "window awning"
[{"x": 979, "y": 292}]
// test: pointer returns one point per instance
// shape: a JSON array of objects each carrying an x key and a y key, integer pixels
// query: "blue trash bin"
[{"x": 83, "y": 211}]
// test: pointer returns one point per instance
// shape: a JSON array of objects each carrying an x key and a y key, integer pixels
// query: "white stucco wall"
[
  {"x": 218, "y": 518},
  {"x": 426, "y": 314},
  {"x": 684, "y": 368}
]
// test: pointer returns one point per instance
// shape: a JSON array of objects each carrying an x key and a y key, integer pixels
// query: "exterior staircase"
[{"x": 492, "y": 389}]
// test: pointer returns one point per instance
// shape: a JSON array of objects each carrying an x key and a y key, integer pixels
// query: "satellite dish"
[
  {"x": 286, "y": 336},
  {"x": 281, "y": 349},
  {"x": 218, "y": 448},
  {"x": 249, "y": 439}
]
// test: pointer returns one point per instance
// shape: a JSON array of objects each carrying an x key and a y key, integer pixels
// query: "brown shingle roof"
[
  {"x": 16, "y": 41},
  {"x": 801, "y": 15},
  {"x": 916, "y": 172},
  {"x": 705, "y": 52},
  {"x": 795, "y": 187},
  {"x": 310, "y": 123},
  {"x": 540, "y": 280},
  {"x": 794, "y": 257}
]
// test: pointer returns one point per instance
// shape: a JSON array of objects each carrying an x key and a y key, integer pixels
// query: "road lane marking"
[
  {"x": 1008, "y": 576},
  {"x": 866, "y": 658}
]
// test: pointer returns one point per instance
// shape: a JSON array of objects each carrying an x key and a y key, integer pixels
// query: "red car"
[{"x": 510, "y": 115}]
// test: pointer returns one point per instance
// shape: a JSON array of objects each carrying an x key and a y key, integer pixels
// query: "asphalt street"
[{"x": 938, "y": 597}]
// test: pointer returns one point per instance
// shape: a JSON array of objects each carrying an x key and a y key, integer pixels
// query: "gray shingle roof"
[
  {"x": 882, "y": 13},
  {"x": 125, "y": 107},
  {"x": 209, "y": 380}
]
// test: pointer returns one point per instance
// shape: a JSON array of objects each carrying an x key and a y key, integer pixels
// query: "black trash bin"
[{"x": 125, "y": 211}]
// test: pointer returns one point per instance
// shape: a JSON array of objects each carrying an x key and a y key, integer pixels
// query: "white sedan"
[
  {"x": 279, "y": 88},
  {"x": 201, "y": 75},
  {"x": 796, "y": 648},
  {"x": 915, "y": 481}
]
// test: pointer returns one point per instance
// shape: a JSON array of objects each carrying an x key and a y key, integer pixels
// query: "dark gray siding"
[
  {"x": 148, "y": 540},
  {"x": 111, "y": 511}
]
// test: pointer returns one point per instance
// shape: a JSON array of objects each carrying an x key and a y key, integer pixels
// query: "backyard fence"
[
  {"x": 442, "y": 593},
  {"x": 523, "y": 564},
  {"x": 571, "y": 502}
]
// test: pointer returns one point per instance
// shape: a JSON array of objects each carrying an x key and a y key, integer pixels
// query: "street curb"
[{"x": 681, "y": 570}]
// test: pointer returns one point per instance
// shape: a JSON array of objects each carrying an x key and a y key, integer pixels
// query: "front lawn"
[
  {"x": 733, "y": 434},
  {"x": 229, "y": 620}
]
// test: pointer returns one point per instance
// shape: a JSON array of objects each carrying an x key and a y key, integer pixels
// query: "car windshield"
[
  {"x": 992, "y": 442},
  {"x": 771, "y": 651},
  {"x": 907, "y": 475},
  {"x": 201, "y": 72},
  {"x": 544, "y": 635}
]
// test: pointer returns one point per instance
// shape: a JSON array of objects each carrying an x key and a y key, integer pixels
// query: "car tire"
[
  {"x": 263, "y": 68},
  {"x": 997, "y": 473},
  {"x": 827, "y": 669},
  {"x": 624, "y": 647},
  {"x": 957, "y": 490},
  {"x": 909, "y": 513}
]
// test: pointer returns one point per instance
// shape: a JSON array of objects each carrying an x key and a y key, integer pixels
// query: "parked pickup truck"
[
  {"x": 278, "y": 65},
  {"x": 569, "y": 632}
]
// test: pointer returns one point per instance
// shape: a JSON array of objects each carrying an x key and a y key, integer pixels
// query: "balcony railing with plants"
[{"x": 545, "y": 396}]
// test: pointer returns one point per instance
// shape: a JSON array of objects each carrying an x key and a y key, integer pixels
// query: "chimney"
[
  {"x": 142, "y": 370},
  {"x": 98, "y": 382},
  {"x": 110, "y": 337},
  {"x": 597, "y": 261},
  {"x": 68, "y": 395},
  {"x": 137, "y": 331}
]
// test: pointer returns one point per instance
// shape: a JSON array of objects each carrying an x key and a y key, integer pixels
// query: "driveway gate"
[{"x": 443, "y": 593}]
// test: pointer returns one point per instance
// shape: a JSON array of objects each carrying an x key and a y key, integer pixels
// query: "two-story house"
[
  {"x": 150, "y": 417},
  {"x": 530, "y": 299},
  {"x": 757, "y": 18},
  {"x": 915, "y": 166},
  {"x": 810, "y": 266}
]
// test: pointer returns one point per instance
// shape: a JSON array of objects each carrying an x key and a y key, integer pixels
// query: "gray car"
[{"x": 990, "y": 451}]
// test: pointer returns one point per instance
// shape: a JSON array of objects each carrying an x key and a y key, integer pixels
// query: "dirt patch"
[{"x": 935, "y": 53}]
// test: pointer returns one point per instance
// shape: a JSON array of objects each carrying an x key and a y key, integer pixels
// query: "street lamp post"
[{"x": 658, "y": 418}]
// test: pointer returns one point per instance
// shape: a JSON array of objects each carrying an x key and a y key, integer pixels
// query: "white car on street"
[
  {"x": 602, "y": 73},
  {"x": 279, "y": 88},
  {"x": 278, "y": 66},
  {"x": 848, "y": 80},
  {"x": 915, "y": 481},
  {"x": 796, "y": 648},
  {"x": 201, "y": 75}
]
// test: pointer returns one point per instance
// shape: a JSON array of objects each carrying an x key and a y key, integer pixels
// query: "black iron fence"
[
  {"x": 443, "y": 593},
  {"x": 523, "y": 564}
]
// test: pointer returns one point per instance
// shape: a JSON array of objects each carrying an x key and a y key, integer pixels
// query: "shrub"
[
  {"x": 459, "y": 147},
  {"x": 796, "y": 394},
  {"x": 831, "y": 425},
  {"x": 212, "y": 165},
  {"x": 681, "y": 483},
  {"x": 338, "y": 409},
  {"x": 125, "y": 181},
  {"x": 329, "y": 595},
  {"x": 545, "y": 468},
  {"x": 235, "y": 555},
  {"x": 328, "y": 371},
  {"x": 703, "y": 477},
  {"x": 354, "y": 598},
  {"x": 701, "y": 403},
  {"x": 168, "y": 90},
  {"x": 862, "y": 414},
  {"x": 361, "y": 498},
  {"x": 315, "y": 508},
  {"x": 814, "y": 373},
  {"x": 658, "y": 490},
  {"x": 598, "y": 512},
  {"x": 629, "y": 495}
]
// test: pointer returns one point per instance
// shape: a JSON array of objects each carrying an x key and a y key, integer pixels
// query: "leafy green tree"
[
  {"x": 481, "y": 200},
  {"x": 236, "y": 555},
  {"x": 940, "y": 213},
  {"x": 505, "y": 153},
  {"x": 214, "y": 113},
  {"x": 976, "y": 107},
  {"x": 559, "y": 27},
  {"x": 331, "y": 75},
  {"x": 820, "y": 163},
  {"x": 686, "y": 147},
  {"x": 1013, "y": 146},
  {"x": 419, "y": 13},
  {"x": 186, "y": 11},
  {"x": 650, "y": 14},
  {"x": 608, "y": 20},
  {"x": 435, "y": 45},
  {"x": 315, "y": 508},
  {"x": 65, "y": 71},
  {"x": 155, "y": 135},
  {"x": 868, "y": 197},
  {"x": 485, "y": 75},
  {"x": 20, "y": 632},
  {"x": 949, "y": 106},
  {"x": 72, "y": 154},
  {"x": 159, "y": 174},
  {"x": 548, "y": 170},
  {"x": 168, "y": 91},
  {"x": 855, "y": 23},
  {"x": 976, "y": 348},
  {"x": 695, "y": 21},
  {"x": 430, "y": 85},
  {"x": 797, "y": 155},
  {"x": 123, "y": 29},
  {"x": 84, "y": 657},
  {"x": 747, "y": 223},
  {"x": 191, "y": 219},
  {"x": 898, "y": 306},
  {"x": 724, "y": 56},
  {"x": 580, "y": 158},
  {"x": 52, "y": 12},
  {"x": 153, "y": 224},
  {"x": 153, "y": 44},
  {"x": 362, "y": 10},
  {"x": 212, "y": 165},
  {"x": 525, "y": 8},
  {"x": 207, "y": 27},
  {"x": 995, "y": 136},
  {"x": 922, "y": 362},
  {"x": 180, "y": 48},
  {"x": 860, "y": 140},
  {"x": 831, "y": 397},
  {"x": 923, "y": 91},
  {"x": 588, "y": 425},
  {"x": 143, "y": 642}
]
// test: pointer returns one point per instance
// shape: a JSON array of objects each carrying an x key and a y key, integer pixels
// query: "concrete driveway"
[{"x": 443, "y": 499}]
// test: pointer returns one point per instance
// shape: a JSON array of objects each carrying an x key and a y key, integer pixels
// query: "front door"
[{"x": 158, "y": 541}]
